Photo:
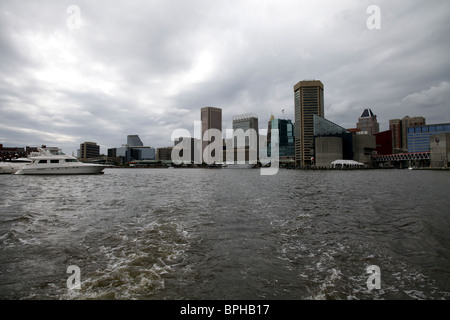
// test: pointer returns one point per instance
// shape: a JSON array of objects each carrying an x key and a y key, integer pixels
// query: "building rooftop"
[
  {"x": 308, "y": 83},
  {"x": 245, "y": 116},
  {"x": 323, "y": 127},
  {"x": 367, "y": 113}
]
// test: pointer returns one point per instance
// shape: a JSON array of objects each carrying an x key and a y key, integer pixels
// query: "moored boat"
[
  {"x": 13, "y": 165},
  {"x": 46, "y": 163}
]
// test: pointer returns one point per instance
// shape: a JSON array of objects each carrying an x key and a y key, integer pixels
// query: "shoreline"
[{"x": 287, "y": 168}]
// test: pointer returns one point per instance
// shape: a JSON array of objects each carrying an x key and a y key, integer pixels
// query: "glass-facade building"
[
  {"x": 133, "y": 140},
  {"x": 399, "y": 128},
  {"x": 326, "y": 128},
  {"x": 419, "y": 136},
  {"x": 285, "y": 135}
]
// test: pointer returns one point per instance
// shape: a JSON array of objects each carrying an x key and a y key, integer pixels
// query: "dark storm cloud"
[{"x": 147, "y": 67}]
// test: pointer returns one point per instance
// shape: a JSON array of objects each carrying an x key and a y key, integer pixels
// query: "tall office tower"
[
  {"x": 211, "y": 119},
  {"x": 250, "y": 146},
  {"x": 368, "y": 122},
  {"x": 245, "y": 122},
  {"x": 309, "y": 100},
  {"x": 89, "y": 150},
  {"x": 134, "y": 141},
  {"x": 285, "y": 137},
  {"x": 395, "y": 125},
  {"x": 269, "y": 133}
]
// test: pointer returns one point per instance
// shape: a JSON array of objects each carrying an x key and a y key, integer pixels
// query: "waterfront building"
[
  {"x": 440, "y": 150},
  {"x": 8, "y": 153},
  {"x": 395, "y": 125},
  {"x": 134, "y": 150},
  {"x": 331, "y": 142},
  {"x": 399, "y": 128},
  {"x": 245, "y": 122},
  {"x": 211, "y": 118},
  {"x": 191, "y": 146},
  {"x": 89, "y": 150},
  {"x": 419, "y": 136},
  {"x": 364, "y": 146},
  {"x": 368, "y": 122},
  {"x": 308, "y": 100},
  {"x": 408, "y": 122},
  {"x": 124, "y": 153},
  {"x": 327, "y": 150},
  {"x": 112, "y": 152},
  {"x": 383, "y": 142},
  {"x": 164, "y": 154},
  {"x": 143, "y": 153},
  {"x": 286, "y": 138},
  {"x": 134, "y": 141},
  {"x": 249, "y": 147}
]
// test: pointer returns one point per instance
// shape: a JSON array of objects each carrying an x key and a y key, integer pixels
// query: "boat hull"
[
  {"x": 61, "y": 170},
  {"x": 10, "y": 168}
]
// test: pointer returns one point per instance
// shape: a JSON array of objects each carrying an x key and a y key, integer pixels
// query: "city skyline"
[{"x": 123, "y": 70}]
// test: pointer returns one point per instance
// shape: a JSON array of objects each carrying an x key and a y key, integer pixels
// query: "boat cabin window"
[
  {"x": 54, "y": 161},
  {"x": 42, "y": 161},
  {"x": 71, "y": 160}
]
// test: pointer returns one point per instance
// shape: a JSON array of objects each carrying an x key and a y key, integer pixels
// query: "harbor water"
[{"x": 226, "y": 234}]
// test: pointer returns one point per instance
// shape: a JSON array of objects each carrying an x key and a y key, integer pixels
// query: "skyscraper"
[
  {"x": 395, "y": 125},
  {"x": 285, "y": 137},
  {"x": 211, "y": 119},
  {"x": 368, "y": 122},
  {"x": 249, "y": 146},
  {"x": 245, "y": 122},
  {"x": 309, "y": 100}
]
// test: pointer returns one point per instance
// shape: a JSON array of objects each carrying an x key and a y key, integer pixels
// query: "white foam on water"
[{"x": 137, "y": 264}]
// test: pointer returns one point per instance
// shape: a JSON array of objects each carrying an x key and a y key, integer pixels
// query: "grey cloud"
[{"x": 147, "y": 51}]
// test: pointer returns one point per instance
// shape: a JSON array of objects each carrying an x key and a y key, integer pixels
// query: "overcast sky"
[{"x": 102, "y": 70}]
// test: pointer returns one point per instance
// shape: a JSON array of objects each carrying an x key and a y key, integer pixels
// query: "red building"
[
  {"x": 8, "y": 153},
  {"x": 383, "y": 142}
]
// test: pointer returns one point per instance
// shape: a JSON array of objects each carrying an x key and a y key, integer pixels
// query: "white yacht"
[
  {"x": 43, "y": 162},
  {"x": 13, "y": 165}
]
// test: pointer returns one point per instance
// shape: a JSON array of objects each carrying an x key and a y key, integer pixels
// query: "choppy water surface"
[{"x": 226, "y": 234}]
